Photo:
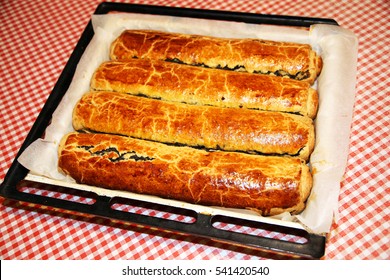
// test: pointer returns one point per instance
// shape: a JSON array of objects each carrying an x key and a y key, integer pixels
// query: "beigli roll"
[
  {"x": 230, "y": 129},
  {"x": 206, "y": 86},
  {"x": 269, "y": 185},
  {"x": 297, "y": 61}
]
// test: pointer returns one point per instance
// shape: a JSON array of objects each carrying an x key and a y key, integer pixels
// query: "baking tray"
[{"x": 16, "y": 188}]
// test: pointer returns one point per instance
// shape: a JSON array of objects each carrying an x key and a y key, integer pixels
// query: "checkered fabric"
[{"x": 36, "y": 41}]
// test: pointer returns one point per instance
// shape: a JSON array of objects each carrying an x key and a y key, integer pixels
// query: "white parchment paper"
[{"x": 336, "y": 86}]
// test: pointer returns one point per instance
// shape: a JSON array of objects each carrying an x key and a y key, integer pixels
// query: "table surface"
[{"x": 37, "y": 39}]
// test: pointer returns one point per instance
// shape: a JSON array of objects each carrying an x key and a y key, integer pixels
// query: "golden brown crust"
[
  {"x": 294, "y": 60},
  {"x": 271, "y": 185},
  {"x": 230, "y": 129},
  {"x": 205, "y": 86},
  {"x": 312, "y": 103}
]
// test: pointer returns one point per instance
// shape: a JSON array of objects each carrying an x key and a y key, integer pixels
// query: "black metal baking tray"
[{"x": 198, "y": 224}]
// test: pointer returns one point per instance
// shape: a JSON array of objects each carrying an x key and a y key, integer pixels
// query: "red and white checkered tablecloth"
[{"x": 37, "y": 39}]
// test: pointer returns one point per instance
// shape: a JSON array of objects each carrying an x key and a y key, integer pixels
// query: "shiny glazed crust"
[
  {"x": 230, "y": 129},
  {"x": 269, "y": 185},
  {"x": 206, "y": 86},
  {"x": 294, "y": 60}
]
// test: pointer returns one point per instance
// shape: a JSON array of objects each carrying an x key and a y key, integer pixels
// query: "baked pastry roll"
[
  {"x": 269, "y": 185},
  {"x": 206, "y": 86},
  {"x": 297, "y": 61},
  {"x": 230, "y": 129}
]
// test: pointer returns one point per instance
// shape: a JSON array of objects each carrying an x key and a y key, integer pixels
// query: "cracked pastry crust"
[
  {"x": 206, "y": 86},
  {"x": 230, "y": 129},
  {"x": 269, "y": 185},
  {"x": 297, "y": 61}
]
